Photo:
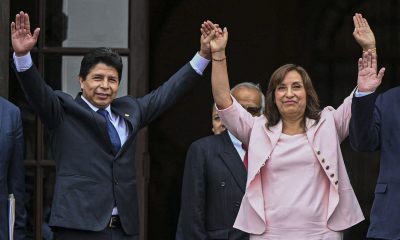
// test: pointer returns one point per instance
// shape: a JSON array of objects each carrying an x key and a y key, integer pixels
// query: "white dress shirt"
[
  {"x": 118, "y": 122},
  {"x": 361, "y": 94},
  {"x": 237, "y": 144}
]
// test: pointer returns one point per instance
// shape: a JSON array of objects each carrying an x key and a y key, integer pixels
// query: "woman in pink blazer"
[{"x": 297, "y": 185}]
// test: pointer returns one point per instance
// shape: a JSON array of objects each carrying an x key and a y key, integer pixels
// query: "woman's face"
[{"x": 291, "y": 96}]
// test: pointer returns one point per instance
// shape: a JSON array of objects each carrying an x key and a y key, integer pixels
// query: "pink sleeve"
[
  {"x": 237, "y": 120},
  {"x": 342, "y": 117}
]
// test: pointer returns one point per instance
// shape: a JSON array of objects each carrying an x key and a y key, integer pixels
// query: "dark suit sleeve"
[
  {"x": 40, "y": 96},
  {"x": 365, "y": 123},
  {"x": 16, "y": 180},
  {"x": 159, "y": 100},
  {"x": 194, "y": 195}
]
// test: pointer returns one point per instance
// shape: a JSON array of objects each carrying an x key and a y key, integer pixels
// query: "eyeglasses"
[{"x": 255, "y": 111}]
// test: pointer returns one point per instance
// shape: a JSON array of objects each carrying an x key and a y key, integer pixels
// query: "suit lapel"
[
  {"x": 129, "y": 114},
  {"x": 233, "y": 161},
  {"x": 323, "y": 160},
  {"x": 274, "y": 133},
  {"x": 129, "y": 122},
  {"x": 312, "y": 128},
  {"x": 100, "y": 121},
  {"x": 117, "y": 108},
  {"x": 80, "y": 101}
]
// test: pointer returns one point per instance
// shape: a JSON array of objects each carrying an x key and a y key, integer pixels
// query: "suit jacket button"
[
  {"x": 237, "y": 204},
  {"x": 336, "y": 183},
  {"x": 327, "y": 167},
  {"x": 115, "y": 181},
  {"x": 222, "y": 184},
  {"x": 318, "y": 152},
  {"x": 332, "y": 175},
  {"x": 323, "y": 160}
]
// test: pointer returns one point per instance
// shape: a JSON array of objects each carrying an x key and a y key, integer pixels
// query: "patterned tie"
[
  {"x": 246, "y": 156},
  {"x": 112, "y": 132}
]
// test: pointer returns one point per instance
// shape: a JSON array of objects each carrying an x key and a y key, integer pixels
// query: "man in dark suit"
[
  {"x": 214, "y": 178},
  {"x": 12, "y": 175},
  {"x": 374, "y": 126},
  {"x": 93, "y": 136},
  {"x": 217, "y": 128}
]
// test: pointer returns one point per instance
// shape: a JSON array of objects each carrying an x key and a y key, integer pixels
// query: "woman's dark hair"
[
  {"x": 101, "y": 55},
  {"x": 312, "y": 104}
]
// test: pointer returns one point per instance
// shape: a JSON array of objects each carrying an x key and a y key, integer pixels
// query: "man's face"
[
  {"x": 218, "y": 127},
  {"x": 101, "y": 85},
  {"x": 249, "y": 98}
]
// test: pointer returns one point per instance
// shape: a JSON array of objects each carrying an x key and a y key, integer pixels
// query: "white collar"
[
  {"x": 94, "y": 108},
  {"x": 235, "y": 141}
]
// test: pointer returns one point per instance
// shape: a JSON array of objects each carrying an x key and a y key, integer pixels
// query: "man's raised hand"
[
  {"x": 368, "y": 80},
  {"x": 208, "y": 30},
  {"x": 21, "y": 37}
]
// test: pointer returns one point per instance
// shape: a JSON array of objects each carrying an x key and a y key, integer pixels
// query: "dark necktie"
[
  {"x": 246, "y": 156},
  {"x": 112, "y": 132}
]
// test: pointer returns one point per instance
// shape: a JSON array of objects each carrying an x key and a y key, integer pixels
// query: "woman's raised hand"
[{"x": 219, "y": 36}]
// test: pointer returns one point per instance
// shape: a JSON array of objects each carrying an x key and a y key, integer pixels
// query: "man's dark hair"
[{"x": 100, "y": 55}]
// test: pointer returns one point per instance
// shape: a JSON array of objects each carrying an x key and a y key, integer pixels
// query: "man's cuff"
[
  {"x": 199, "y": 63},
  {"x": 361, "y": 94},
  {"x": 23, "y": 63}
]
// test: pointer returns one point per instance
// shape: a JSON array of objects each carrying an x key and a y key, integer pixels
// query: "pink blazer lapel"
[{"x": 261, "y": 146}]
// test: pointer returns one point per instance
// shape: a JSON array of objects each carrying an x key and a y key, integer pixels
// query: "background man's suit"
[
  {"x": 12, "y": 175},
  {"x": 214, "y": 182},
  {"x": 90, "y": 179},
  {"x": 375, "y": 125}
]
